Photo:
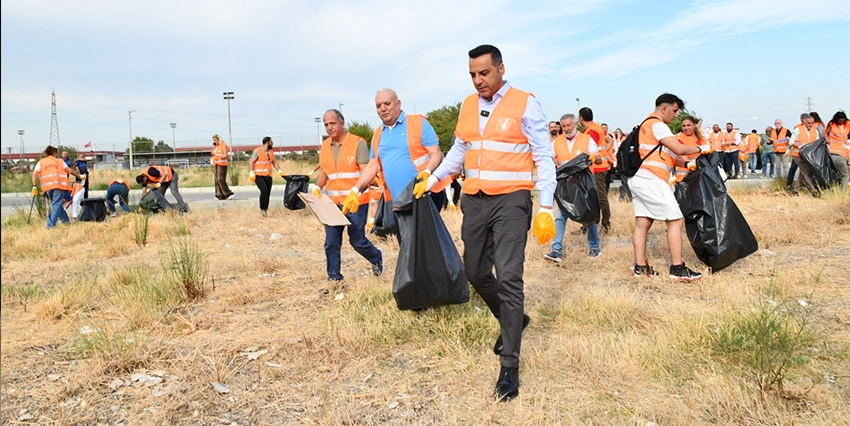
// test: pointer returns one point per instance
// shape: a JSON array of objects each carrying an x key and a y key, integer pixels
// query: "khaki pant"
[{"x": 604, "y": 208}]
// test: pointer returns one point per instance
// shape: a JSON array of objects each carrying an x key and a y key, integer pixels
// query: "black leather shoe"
[
  {"x": 497, "y": 348},
  {"x": 507, "y": 387}
]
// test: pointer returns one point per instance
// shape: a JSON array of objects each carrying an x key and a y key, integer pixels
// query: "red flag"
[{"x": 88, "y": 145}]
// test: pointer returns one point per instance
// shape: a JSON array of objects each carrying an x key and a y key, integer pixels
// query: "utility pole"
[
  {"x": 54, "y": 123},
  {"x": 318, "y": 132},
  {"x": 578, "y": 105},
  {"x": 20, "y": 132},
  {"x": 229, "y": 96},
  {"x": 130, "y": 125},
  {"x": 340, "y": 106},
  {"x": 809, "y": 103},
  {"x": 173, "y": 139}
]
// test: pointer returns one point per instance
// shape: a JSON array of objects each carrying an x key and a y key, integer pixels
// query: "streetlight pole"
[
  {"x": 340, "y": 106},
  {"x": 173, "y": 139},
  {"x": 318, "y": 132},
  {"x": 229, "y": 96},
  {"x": 20, "y": 132},
  {"x": 578, "y": 104},
  {"x": 130, "y": 124}
]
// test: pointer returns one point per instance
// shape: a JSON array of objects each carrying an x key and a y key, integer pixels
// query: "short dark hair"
[
  {"x": 140, "y": 179},
  {"x": 754, "y": 131},
  {"x": 669, "y": 98},
  {"x": 585, "y": 114},
  {"x": 266, "y": 139},
  {"x": 730, "y": 124},
  {"x": 487, "y": 49}
]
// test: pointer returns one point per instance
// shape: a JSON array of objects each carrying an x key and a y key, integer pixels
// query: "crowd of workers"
[{"x": 502, "y": 137}]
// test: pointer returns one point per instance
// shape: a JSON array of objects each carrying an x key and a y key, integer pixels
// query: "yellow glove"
[
  {"x": 281, "y": 173},
  {"x": 317, "y": 193},
  {"x": 691, "y": 165},
  {"x": 34, "y": 191},
  {"x": 544, "y": 225},
  {"x": 425, "y": 181},
  {"x": 156, "y": 185},
  {"x": 452, "y": 207},
  {"x": 591, "y": 157},
  {"x": 370, "y": 223},
  {"x": 352, "y": 202},
  {"x": 705, "y": 149},
  {"x": 252, "y": 177},
  {"x": 84, "y": 176}
]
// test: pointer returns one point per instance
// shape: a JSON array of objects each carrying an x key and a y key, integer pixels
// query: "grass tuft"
[{"x": 185, "y": 264}]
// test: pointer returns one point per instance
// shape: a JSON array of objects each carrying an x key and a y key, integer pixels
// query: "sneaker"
[
  {"x": 378, "y": 267},
  {"x": 683, "y": 273},
  {"x": 265, "y": 213},
  {"x": 230, "y": 197},
  {"x": 554, "y": 256},
  {"x": 644, "y": 271},
  {"x": 593, "y": 253}
]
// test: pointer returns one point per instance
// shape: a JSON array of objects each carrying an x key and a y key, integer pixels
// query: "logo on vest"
[
  {"x": 350, "y": 159},
  {"x": 505, "y": 124}
]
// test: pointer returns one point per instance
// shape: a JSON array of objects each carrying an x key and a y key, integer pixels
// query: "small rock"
[
  {"x": 53, "y": 377},
  {"x": 252, "y": 230},
  {"x": 766, "y": 252},
  {"x": 393, "y": 405},
  {"x": 159, "y": 391},
  {"x": 115, "y": 408},
  {"x": 255, "y": 355},
  {"x": 275, "y": 236},
  {"x": 219, "y": 387},
  {"x": 86, "y": 330},
  {"x": 269, "y": 275},
  {"x": 252, "y": 349},
  {"x": 271, "y": 364},
  {"x": 227, "y": 246},
  {"x": 153, "y": 379},
  {"x": 115, "y": 384},
  {"x": 139, "y": 377},
  {"x": 802, "y": 303},
  {"x": 26, "y": 417},
  {"x": 651, "y": 424},
  {"x": 340, "y": 296}
]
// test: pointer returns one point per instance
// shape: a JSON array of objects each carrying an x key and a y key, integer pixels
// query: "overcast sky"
[{"x": 747, "y": 62}]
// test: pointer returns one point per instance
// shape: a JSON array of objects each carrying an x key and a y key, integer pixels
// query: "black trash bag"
[
  {"x": 576, "y": 191},
  {"x": 715, "y": 226},
  {"x": 429, "y": 271},
  {"x": 295, "y": 184},
  {"x": 384, "y": 219},
  {"x": 816, "y": 157},
  {"x": 92, "y": 210},
  {"x": 404, "y": 202},
  {"x": 154, "y": 202}
]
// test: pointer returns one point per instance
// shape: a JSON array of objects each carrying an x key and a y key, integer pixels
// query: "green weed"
[{"x": 185, "y": 263}]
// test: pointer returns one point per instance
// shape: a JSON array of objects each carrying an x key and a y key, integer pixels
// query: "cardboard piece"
[{"x": 324, "y": 209}]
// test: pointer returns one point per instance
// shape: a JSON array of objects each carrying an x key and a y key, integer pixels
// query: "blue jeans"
[
  {"x": 767, "y": 156},
  {"x": 123, "y": 194},
  {"x": 57, "y": 208},
  {"x": 356, "y": 237},
  {"x": 561, "y": 227},
  {"x": 754, "y": 159}
]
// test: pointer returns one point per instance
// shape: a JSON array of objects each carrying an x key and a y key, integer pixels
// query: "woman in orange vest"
[
  {"x": 219, "y": 161},
  {"x": 121, "y": 189},
  {"x": 838, "y": 139},
  {"x": 690, "y": 135},
  {"x": 261, "y": 164},
  {"x": 52, "y": 173}
]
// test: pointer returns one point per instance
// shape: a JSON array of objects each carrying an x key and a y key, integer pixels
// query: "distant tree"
[
  {"x": 676, "y": 125},
  {"x": 362, "y": 129},
  {"x": 72, "y": 152},
  {"x": 444, "y": 121},
  {"x": 161, "y": 146},
  {"x": 141, "y": 144}
]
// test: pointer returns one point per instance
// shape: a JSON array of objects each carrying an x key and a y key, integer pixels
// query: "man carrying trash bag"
[
  {"x": 343, "y": 156},
  {"x": 579, "y": 202},
  {"x": 716, "y": 228}
]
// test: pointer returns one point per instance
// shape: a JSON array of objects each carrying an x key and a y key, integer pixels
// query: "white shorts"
[{"x": 653, "y": 198}]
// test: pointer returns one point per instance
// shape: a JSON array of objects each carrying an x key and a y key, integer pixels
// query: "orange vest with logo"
[
  {"x": 662, "y": 160},
  {"x": 498, "y": 161},
  {"x": 836, "y": 138},
  {"x": 263, "y": 165},
  {"x": 563, "y": 153},
  {"x": 219, "y": 153},
  {"x": 716, "y": 141},
  {"x": 52, "y": 174},
  {"x": 602, "y": 144},
  {"x": 343, "y": 173},
  {"x": 164, "y": 174},
  {"x": 418, "y": 154},
  {"x": 686, "y": 140},
  {"x": 805, "y": 137},
  {"x": 121, "y": 181},
  {"x": 781, "y": 140}
]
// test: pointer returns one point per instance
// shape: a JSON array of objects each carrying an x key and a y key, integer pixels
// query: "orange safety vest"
[
  {"x": 499, "y": 160},
  {"x": 219, "y": 153},
  {"x": 716, "y": 141},
  {"x": 781, "y": 140},
  {"x": 563, "y": 153},
  {"x": 662, "y": 160},
  {"x": 164, "y": 173},
  {"x": 418, "y": 154},
  {"x": 836, "y": 138},
  {"x": 263, "y": 165},
  {"x": 805, "y": 137},
  {"x": 602, "y": 144},
  {"x": 729, "y": 140},
  {"x": 121, "y": 181},
  {"x": 686, "y": 140},
  {"x": 52, "y": 174},
  {"x": 343, "y": 172}
]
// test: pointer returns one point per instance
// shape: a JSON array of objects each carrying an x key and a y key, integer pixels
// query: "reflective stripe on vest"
[
  {"x": 805, "y": 137},
  {"x": 220, "y": 154},
  {"x": 780, "y": 141},
  {"x": 263, "y": 165},
  {"x": 837, "y": 139},
  {"x": 418, "y": 153},
  {"x": 343, "y": 172},
  {"x": 686, "y": 140},
  {"x": 52, "y": 174},
  {"x": 563, "y": 153},
  {"x": 662, "y": 160},
  {"x": 499, "y": 160}
]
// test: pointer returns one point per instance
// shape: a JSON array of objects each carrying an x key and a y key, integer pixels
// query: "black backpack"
[{"x": 628, "y": 155}]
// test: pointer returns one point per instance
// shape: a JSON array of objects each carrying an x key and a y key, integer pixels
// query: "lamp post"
[
  {"x": 20, "y": 132},
  {"x": 173, "y": 139},
  {"x": 318, "y": 132},
  {"x": 340, "y": 106},
  {"x": 130, "y": 124},
  {"x": 229, "y": 96},
  {"x": 578, "y": 104}
]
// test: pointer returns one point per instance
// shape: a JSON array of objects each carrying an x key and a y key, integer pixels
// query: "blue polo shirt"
[{"x": 395, "y": 155}]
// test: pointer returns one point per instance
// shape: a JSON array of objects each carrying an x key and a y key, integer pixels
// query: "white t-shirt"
[{"x": 660, "y": 131}]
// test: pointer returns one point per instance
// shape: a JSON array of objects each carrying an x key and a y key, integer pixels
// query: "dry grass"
[{"x": 602, "y": 347}]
